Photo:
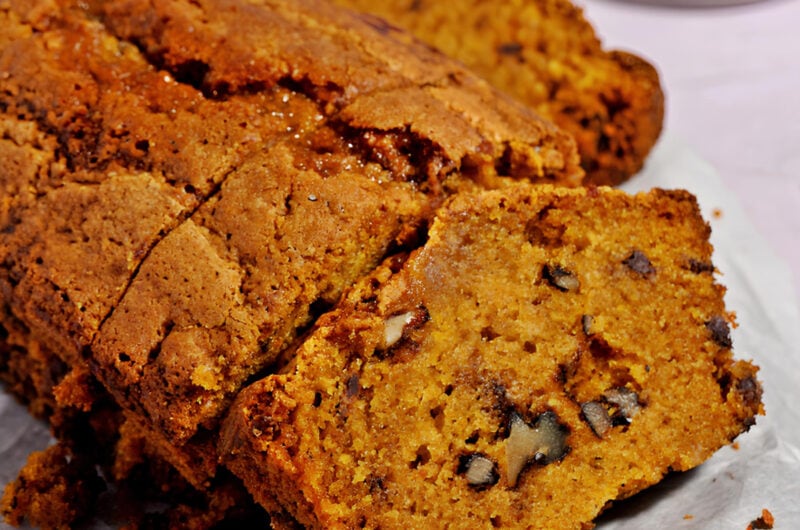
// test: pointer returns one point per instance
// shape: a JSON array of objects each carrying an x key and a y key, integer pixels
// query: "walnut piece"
[
  {"x": 597, "y": 417},
  {"x": 561, "y": 278},
  {"x": 627, "y": 400},
  {"x": 542, "y": 443},
  {"x": 639, "y": 263},
  {"x": 479, "y": 470},
  {"x": 394, "y": 326}
]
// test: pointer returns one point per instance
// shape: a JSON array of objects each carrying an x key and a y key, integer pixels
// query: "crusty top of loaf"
[
  {"x": 546, "y": 54},
  {"x": 140, "y": 135}
]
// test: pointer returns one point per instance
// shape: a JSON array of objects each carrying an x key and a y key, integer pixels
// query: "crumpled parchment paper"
[{"x": 733, "y": 487}]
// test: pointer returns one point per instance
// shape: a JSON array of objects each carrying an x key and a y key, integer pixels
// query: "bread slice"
[
  {"x": 545, "y": 352},
  {"x": 545, "y": 53},
  {"x": 103, "y": 457}
]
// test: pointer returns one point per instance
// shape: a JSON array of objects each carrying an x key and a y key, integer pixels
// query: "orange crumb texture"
[{"x": 496, "y": 375}]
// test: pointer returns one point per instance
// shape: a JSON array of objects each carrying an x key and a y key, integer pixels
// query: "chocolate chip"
[
  {"x": 720, "y": 331},
  {"x": 509, "y": 48},
  {"x": 639, "y": 263},
  {"x": 560, "y": 278}
]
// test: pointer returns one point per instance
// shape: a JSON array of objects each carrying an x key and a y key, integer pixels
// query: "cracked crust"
[
  {"x": 547, "y": 55},
  {"x": 365, "y": 429},
  {"x": 138, "y": 133},
  {"x": 181, "y": 199}
]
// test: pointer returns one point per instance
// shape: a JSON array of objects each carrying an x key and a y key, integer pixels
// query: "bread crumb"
[
  {"x": 688, "y": 517},
  {"x": 765, "y": 522},
  {"x": 717, "y": 213}
]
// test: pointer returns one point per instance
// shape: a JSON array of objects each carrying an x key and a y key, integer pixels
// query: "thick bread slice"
[{"x": 546, "y": 351}]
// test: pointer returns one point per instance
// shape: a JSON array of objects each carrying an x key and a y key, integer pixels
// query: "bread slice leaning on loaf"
[{"x": 545, "y": 352}]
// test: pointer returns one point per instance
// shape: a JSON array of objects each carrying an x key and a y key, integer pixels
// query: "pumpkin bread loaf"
[
  {"x": 545, "y": 352},
  {"x": 179, "y": 198},
  {"x": 175, "y": 209},
  {"x": 187, "y": 186},
  {"x": 545, "y": 53}
]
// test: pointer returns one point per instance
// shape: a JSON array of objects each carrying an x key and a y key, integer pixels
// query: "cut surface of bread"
[{"x": 545, "y": 352}]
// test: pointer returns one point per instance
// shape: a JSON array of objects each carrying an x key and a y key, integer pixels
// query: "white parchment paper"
[{"x": 732, "y": 488}]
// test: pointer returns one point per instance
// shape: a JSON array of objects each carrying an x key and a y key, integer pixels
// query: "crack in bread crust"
[{"x": 142, "y": 121}]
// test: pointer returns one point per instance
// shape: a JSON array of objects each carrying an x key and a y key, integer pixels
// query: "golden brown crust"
[
  {"x": 138, "y": 132},
  {"x": 578, "y": 325},
  {"x": 180, "y": 197},
  {"x": 183, "y": 198},
  {"x": 546, "y": 54}
]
